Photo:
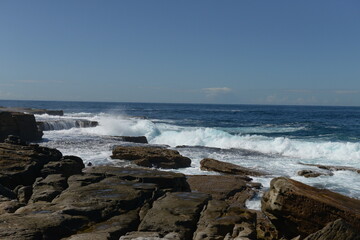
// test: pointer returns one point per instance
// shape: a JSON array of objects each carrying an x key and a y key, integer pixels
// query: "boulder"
[
  {"x": 232, "y": 188},
  {"x": 219, "y": 220},
  {"x": 151, "y": 157},
  {"x": 312, "y": 174},
  {"x": 338, "y": 229},
  {"x": 19, "y": 124},
  {"x": 175, "y": 212},
  {"x": 67, "y": 166},
  {"x": 298, "y": 209},
  {"x": 21, "y": 164},
  {"x": 209, "y": 164},
  {"x": 49, "y": 188}
]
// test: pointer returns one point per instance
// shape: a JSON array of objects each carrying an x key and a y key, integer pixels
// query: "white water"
[{"x": 278, "y": 156}]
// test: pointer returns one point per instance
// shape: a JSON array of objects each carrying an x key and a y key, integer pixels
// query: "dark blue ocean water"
[{"x": 312, "y": 122}]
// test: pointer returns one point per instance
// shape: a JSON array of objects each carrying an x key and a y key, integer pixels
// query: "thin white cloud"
[
  {"x": 38, "y": 81},
  {"x": 212, "y": 92},
  {"x": 346, "y": 92}
]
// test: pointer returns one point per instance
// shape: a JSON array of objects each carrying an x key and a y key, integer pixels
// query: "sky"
[{"x": 204, "y": 51}]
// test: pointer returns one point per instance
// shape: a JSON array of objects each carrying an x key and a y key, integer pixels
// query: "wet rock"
[
  {"x": 298, "y": 209},
  {"x": 333, "y": 168},
  {"x": 151, "y": 157},
  {"x": 222, "y": 187},
  {"x": 67, "y": 166},
  {"x": 138, "y": 139},
  {"x": 102, "y": 200},
  {"x": 168, "y": 181},
  {"x": 312, "y": 174},
  {"x": 338, "y": 229},
  {"x": 21, "y": 165},
  {"x": 49, "y": 188},
  {"x": 181, "y": 211},
  {"x": 19, "y": 124},
  {"x": 65, "y": 124},
  {"x": 219, "y": 220},
  {"x": 209, "y": 164},
  {"x": 41, "y": 225},
  {"x": 113, "y": 228}
]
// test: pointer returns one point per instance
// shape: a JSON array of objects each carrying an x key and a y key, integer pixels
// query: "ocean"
[{"x": 276, "y": 139}]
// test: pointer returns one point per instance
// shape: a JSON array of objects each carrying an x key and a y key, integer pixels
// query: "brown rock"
[
  {"x": 219, "y": 220},
  {"x": 19, "y": 124},
  {"x": 66, "y": 166},
  {"x": 209, "y": 164},
  {"x": 312, "y": 174},
  {"x": 299, "y": 209},
  {"x": 175, "y": 212},
  {"x": 21, "y": 165},
  {"x": 112, "y": 228},
  {"x": 265, "y": 228},
  {"x": 151, "y": 157},
  {"x": 49, "y": 188},
  {"x": 41, "y": 225},
  {"x": 168, "y": 181},
  {"x": 333, "y": 168},
  {"x": 222, "y": 187},
  {"x": 24, "y": 193},
  {"x": 338, "y": 229}
]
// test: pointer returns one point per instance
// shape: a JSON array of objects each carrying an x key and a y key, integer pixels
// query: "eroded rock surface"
[
  {"x": 209, "y": 164},
  {"x": 299, "y": 209},
  {"x": 22, "y": 164},
  {"x": 176, "y": 212},
  {"x": 338, "y": 229},
  {"x": 151, "y": 157}
]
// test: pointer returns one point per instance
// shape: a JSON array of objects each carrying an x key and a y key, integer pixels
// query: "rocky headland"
[{"x": 45, "y": 195}]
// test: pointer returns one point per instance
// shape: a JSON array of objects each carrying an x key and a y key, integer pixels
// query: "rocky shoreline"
[{"x": 45, "y": 195}]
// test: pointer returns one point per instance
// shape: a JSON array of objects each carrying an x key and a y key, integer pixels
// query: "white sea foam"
[
  {"x": 301, "y": 149},
  {"x": 281, "y": 155}
]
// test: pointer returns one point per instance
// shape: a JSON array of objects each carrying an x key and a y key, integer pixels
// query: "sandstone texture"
[
  {"x": 44, "y": 195},
  {"x": 299, "y": 209},
  {"x": 151, "y": 157},
  {"x": 338, "y": 229},
  {"x": 209, "y": 164}
]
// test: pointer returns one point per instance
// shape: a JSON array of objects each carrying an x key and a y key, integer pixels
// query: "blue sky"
[{"x": 239, "y": 52}]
